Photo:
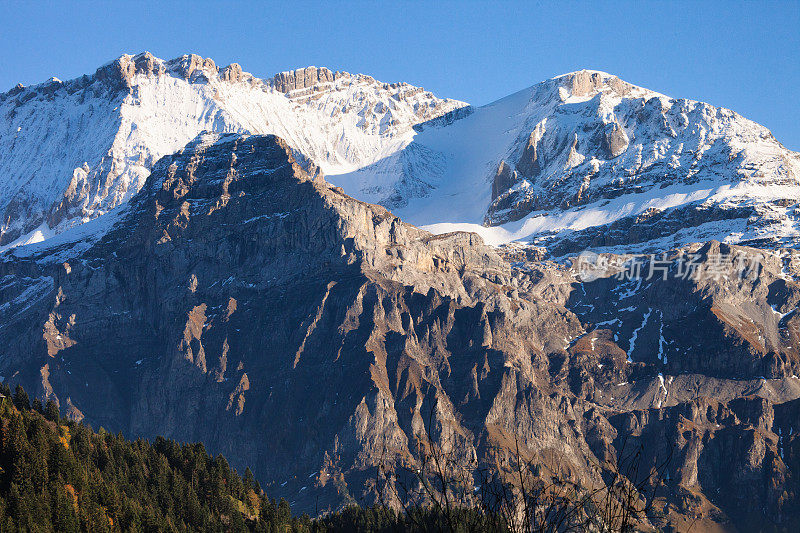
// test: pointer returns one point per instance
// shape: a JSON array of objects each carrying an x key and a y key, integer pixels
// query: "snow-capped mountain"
[
  {"x": 240, "y": 301},
  {"x": 71, "y": 151},
  {"x": 583, "y": 160},
  {"x": 588, "y": 160}
]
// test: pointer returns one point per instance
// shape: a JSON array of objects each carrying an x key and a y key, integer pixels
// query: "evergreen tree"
[
  {"x": 51, "y": 411},
  {"x": 21, "y": 400},
  {"x": 58, "y": 475}
]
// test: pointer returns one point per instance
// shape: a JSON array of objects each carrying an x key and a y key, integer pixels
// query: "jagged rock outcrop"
[
  {"x": 595, "y": 138},
  {"x": 723, "y": 311},
  {"x": 241, "y": 301},
  {"x": 732, "y": 465},
  {"x": 504, "y": 178},
  {"x": 615, "y": 141},
  {"x": 303, "y": 77},
  {"x": 529, "y": 164}
]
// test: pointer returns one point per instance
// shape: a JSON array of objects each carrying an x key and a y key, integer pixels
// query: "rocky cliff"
[{"x": 240, "y": 300}]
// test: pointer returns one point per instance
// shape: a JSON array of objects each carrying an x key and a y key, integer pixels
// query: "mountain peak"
[
  {"x": 191, "y": 67},
  {"x": 137, "y": 108},
  {"x": 588, "y": 83},
  {"x": 583, "y": 71}
]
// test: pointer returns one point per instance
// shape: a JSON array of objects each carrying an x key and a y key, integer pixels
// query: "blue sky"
[{"x": 744, "y": 56}]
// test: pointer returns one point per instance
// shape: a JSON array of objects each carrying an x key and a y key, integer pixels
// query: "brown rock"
[
  {"x": 615, "y": 141},
  {"x": 503, "y": 179},
  {"x": 232, "y": 73}
]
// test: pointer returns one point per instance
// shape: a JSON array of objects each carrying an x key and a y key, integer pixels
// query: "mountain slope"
[
  {"x": 70, "y": 151},
  {"x": 241, "y": 301},
  {"x": 562, "y": 160},
  {"x": 237, "y": 288}
]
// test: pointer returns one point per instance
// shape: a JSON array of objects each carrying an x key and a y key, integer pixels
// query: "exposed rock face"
[
  {"x": 302, "y": 78},
  {"x": 238, "y": 289},
  {"x": 588, "y": 83},
  {"x": 240, "y": 300},
  {"x": 119, "y": 74},
  {"x": 615, "y": 141},
  {"x": 732, "y": 465},
  {"x": 529, "y": 163},
  {"x": 232, "y": 73},
  {"x": 738, "y": 312},
  {"x": 503, "y": 179},
  {"x": 655, "y": 230}
]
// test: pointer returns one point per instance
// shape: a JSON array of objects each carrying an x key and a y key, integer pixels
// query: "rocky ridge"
[
  {"x": 74, "y": 150},
  {"x": 583, "y": 160}
]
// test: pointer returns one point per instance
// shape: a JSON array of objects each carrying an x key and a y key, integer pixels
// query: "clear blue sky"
[{"x": 745, "y": 56}]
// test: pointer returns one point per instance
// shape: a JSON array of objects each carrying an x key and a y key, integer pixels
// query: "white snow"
[
  {"x": 635, "y": 333},
  {"x": 662, "y": 388},
  {"x": 633, "y": 288},
  {"x": 71, "y": 242},
  {"x": 780, "y": 315},
  {"x": 33, "y": 289}
]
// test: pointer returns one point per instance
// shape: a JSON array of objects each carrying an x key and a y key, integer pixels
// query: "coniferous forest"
[{"x": 59, "y": 475}]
